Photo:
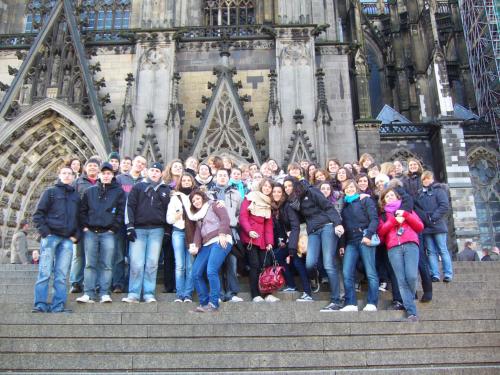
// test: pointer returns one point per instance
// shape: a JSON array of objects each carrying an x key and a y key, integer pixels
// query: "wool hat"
[
  {"x": 157, "y": 165},
  {"x": 114, "y": 155}
]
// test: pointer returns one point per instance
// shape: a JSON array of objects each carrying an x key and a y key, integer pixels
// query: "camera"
[{"x": 400, "y": 231}]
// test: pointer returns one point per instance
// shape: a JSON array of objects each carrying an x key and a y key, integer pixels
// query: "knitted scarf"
[
  {"x": 392, "y": 206},
  {"x": 260, "y": 204}
]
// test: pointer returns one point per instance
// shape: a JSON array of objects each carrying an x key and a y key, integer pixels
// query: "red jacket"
[
  {"x": 387, "y": 230},
  {"x": 249, "y": 222}
]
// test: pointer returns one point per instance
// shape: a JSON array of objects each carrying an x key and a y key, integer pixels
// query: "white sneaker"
[
  {"x": 106, "y": 299},
  {"x": 349, "y": 308},
  {"x": 130, "y": 300},
  {"x": 271, "y": 298},
  {"x": 258, "y": 299},
  {"x": 236, "y": 299},
  {"x": 370, "y": 307},
  {"x": 84, "y": 299},
  {"x": 188, "y": 300},
  {"x": 178, "y": 300},
  {"x": 383, "y": 287},
  {"x": 149, "y": 300}
]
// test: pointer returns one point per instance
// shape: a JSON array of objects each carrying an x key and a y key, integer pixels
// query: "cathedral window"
[
  {"x": 229, "y": 12},
  {"x": 105, "y": 14},
  {"x": 36, "y": 12}
]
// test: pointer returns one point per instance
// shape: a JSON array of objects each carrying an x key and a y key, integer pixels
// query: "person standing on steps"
[
  {"x": 146, "y": 219},
  {"x": 19, "y": 246},
  {"x": 101, "y": 217},
  {"x": 82, "y": 183},
  {"x": 468, "y": 253},
  {"x": 56, "y": 219}
]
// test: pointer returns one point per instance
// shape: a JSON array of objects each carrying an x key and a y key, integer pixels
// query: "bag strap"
[{"x": 275, "y": 263}]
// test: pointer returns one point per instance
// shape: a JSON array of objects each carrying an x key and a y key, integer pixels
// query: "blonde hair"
[
  {"x": 387, "y": 167},
  {"x": 427, "y": 175}
]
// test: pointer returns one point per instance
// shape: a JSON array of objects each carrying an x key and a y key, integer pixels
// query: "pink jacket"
[
  {"x": 249, "y": 222},
  {"x": 387, "y": 230}
]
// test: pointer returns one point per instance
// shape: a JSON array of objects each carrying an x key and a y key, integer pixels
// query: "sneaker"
[
  {"x": 305, "y": 298},
  {"x": 210, "y": 308},
  {"x": 330, "y": 307},
  {"x": 178, "y": 299},
  {"x": 149, "y": 299},
  {"x": 370, "y": 307},
  {"x": 383, "y": 287},
  {"x": 75, "y": 288},
  {"x": 412, "y": 318},
  {"x": 84, "y": 299},
  {"x": 258, "y": 299},
  {"x": 130, "y": 300},
  {"x": 37, "y": 310},
  {"x": 188, "y": 300},
  {"x": 357, "y": 287},
  {"x": 349, "y": 308},
  {"x": 117, "y": 289},
  {"x": 396, "y": 305},
  {"x": 447, "y": 279},
  {"x": 435, "y": 279},
  {"x": 271, "y": 298},
  {"x": 289, "y": 290},
  {"x": 236, "y": 299},
  {"x": 106, "y": 299}
]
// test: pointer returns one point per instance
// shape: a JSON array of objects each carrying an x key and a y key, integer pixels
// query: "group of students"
[{"x": 215, "y": 220}]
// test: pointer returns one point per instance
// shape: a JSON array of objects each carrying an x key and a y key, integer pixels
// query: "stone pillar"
[
  {"x": 459, "y": 182},
  {"x": 368, "y": 132},
  {"x": 295, "y": 66}
]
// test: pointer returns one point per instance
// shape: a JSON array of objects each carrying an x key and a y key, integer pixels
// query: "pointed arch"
[{"x": 32, "y": 148}]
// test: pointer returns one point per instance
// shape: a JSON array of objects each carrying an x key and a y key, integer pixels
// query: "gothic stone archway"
[{"x": 29, "y": 159}]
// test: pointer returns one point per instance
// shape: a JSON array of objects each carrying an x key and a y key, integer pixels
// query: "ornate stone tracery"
[{"x": 229, "y": 12}]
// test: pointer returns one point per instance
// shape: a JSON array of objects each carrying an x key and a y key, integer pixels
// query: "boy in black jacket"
[
  {"x": 101, "y": 216},
  {"x": 56, "y": 218}
]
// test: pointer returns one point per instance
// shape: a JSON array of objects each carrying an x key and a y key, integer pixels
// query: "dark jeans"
[
  {"x": 230, "y": 283},
  {"x": 424, "y": 269},
  {"x": 168, "y": 264},
  {"x": 382, "y": 264},
  {"x": 300, "y": 265},
  {"x": 256, "y": 258},
  {"x": 120, "y": 269}
]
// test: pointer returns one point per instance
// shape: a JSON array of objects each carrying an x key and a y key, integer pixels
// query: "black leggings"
[{"x": 256, "y": 258}]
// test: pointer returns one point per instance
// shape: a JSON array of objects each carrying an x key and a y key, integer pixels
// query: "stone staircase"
[{"x": 458, "y": 333}]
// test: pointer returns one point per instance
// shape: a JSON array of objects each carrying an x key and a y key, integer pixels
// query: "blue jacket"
[
  {"x": 103, "y": 207},
  {"x": 358, "y": 216},
  {"x": 57, "y": 211},
  {"x": 431, "y": 205}
]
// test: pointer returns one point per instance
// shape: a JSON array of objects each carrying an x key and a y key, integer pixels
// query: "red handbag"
[{"x": 271, "y": 278}]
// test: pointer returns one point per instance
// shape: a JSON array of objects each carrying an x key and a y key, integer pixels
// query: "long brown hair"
[{"x": 381, "y": 199}]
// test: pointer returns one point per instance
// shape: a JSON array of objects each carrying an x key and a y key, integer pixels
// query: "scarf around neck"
[
  {"x": 260, "y": 204},
  {"x": 392, "y": 206},
  {"x": 200, "y": 214},
  {"x": 351, "y": 198}
]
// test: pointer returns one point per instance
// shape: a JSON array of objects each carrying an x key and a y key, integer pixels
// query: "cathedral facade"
[{"x": 249, "y": 79}]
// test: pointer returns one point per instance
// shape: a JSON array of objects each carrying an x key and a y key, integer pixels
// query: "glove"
[{"x": 131, "y": 235}]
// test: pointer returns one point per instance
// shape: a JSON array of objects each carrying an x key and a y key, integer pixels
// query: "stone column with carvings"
[
  {"x": 459, "y": 182},
  {"x": 368, "y": 137},
  {"x": 295, "y": 66}
]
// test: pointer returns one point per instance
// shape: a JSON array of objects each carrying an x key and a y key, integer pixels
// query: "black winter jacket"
[
  {"x": 431, "y": 205},
  {"x": 57, "y": 211},
  {"x": 103, "y": 207},
  {"x": 287, "y": 221},
  {"x": 358, "y": 216},
  {"x": 317, "y": 210},
  {"x": 82, "y": 183},
  {"x": 412, "y": 184},
  {"x": 146, "y": 206}
]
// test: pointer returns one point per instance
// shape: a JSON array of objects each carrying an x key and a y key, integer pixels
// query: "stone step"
[
  {"x": 333, "y": 342},
  {"x": 245, "y": 361},
  {"x": 243, "y": 314},
  {"x": 83, "y": 329}
]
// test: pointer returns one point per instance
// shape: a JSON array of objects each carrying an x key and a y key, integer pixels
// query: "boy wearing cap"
[
  {"x": 101, "y": 216},
  {"x": 146, "y": 219}
]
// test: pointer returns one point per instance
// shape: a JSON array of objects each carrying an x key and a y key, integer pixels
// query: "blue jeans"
[
  {"x": 99, "y": 252},
  {"x": 209, "y": 261},
  {"x": 144, "y": 254},
  {"x": 300, "y": 265},
  {"x": 119, "y": 278},
  {"x": 55, "y": 255},
  {"x": 353, "y": 251},
  {"x": 77, "y": 264},
  {"x": 183, "y": 265},
  {"x": 230, "y": 277},
  {"x": 436, "y": 244},
  {"x": 324, "y": 241},
  {"x": 404, "y": 261}
]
